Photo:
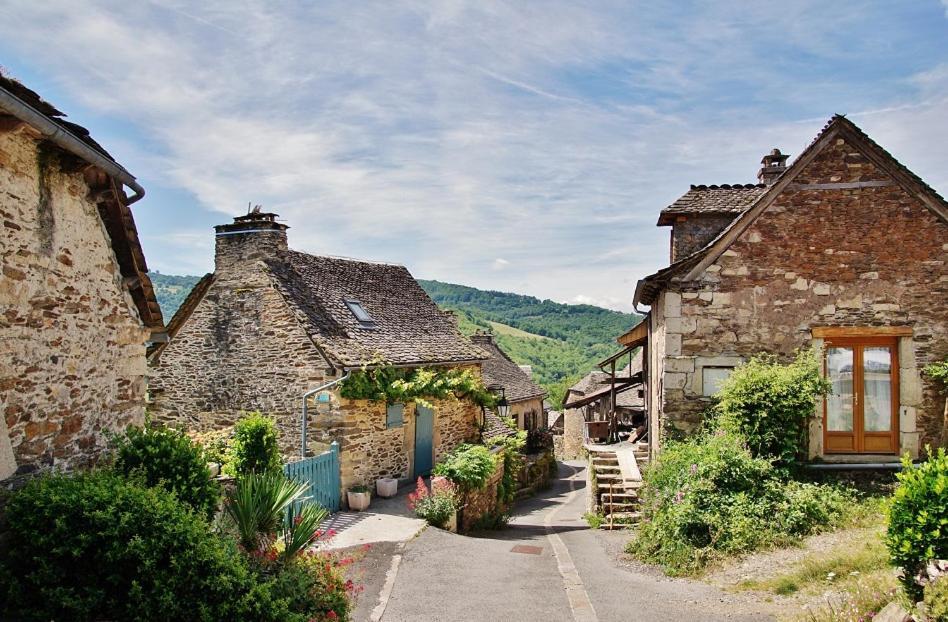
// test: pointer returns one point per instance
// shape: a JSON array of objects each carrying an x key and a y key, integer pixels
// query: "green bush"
[
  {"x": 435, "y": 506},
  {"x": 168, "y": 458},
  {"x": 468, "y": 466},
  {"x": 255, "y": 447},
  {"x": 918, "y": 517},
  {"x": 936, "y": 599},
  {"x": 258, "y": 511},
  {"x": 709, "y": 496},
  {"x": 770, "y": 403},
  {"x": 99, "y": 547}
]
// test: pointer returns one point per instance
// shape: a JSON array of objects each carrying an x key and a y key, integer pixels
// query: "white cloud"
[{"x": 506, "y": 145}]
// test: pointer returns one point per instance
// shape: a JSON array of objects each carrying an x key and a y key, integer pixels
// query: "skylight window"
[{"x": 365, "y": 320}]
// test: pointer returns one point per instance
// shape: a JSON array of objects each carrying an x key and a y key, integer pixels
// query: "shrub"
[
  {"x": 259, "y": 507},
  {"x": 254, "y": 448},
  {"x": 512, "y": 447},
  {"x": 538, "y": 441},
  {"x": 99, "y": 547},
  {"x": 168, "y": 458},
  {"x": 436, "y": 506},
  {"x": 709, "y": 496},
  {"x": 770, "y": 403},
  {"x": 918, "y": 517},
  {"x": 216, "y": 444},
  {"x": 468, "y": 466}
]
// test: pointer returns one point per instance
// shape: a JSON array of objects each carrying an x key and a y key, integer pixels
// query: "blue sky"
[{"x": 521, "y": 146}]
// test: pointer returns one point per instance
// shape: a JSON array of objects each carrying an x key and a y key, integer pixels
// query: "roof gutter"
[{"x": 60, "y": 136}]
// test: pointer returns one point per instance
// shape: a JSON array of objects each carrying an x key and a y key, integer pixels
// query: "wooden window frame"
[{"x": 858, "y": 342}]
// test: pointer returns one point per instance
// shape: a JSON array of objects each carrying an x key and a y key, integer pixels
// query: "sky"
[{"x": 519, "y": 146}]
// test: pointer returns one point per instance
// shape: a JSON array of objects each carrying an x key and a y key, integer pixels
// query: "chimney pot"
[
  {"x": 774, "y": 164},
  {"x": 253, "y": 237}
]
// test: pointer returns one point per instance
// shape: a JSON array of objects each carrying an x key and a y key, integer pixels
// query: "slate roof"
[
  {"x": 115, "y": 214},
  {"x": 500, "y": 369},
  {"x": 723, "y": 199},
  {"x": 408, "y": 329},
  {"x": 495, "y": 426}
]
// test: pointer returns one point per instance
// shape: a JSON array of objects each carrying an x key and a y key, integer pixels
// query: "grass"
[
  {"x": 595, "y": 521},
  {"x": 505, "y": 329},
  {"x": 860, "y": 603},
  {"x": 843, "y": 565}
]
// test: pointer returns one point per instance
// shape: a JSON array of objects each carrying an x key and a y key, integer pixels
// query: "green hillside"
[
  {"x": 561, "y": 342},
  {"x": 171, "y": 290}
]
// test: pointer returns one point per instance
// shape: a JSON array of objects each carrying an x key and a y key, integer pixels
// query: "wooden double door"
[{"x": 861, "y": 411}]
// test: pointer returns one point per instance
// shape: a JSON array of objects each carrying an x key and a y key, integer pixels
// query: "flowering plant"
[{"x": 437, "y": 505}]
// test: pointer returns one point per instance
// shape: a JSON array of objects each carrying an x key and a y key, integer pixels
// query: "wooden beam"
[
  {"x": 861, "y": 331},
  {"x": 636, "y": 336}
]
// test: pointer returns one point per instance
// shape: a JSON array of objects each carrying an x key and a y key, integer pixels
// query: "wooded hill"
[{"x": 561, "y": 342}]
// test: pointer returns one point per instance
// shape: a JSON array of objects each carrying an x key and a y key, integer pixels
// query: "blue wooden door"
[{"x": 424, "y": 440}]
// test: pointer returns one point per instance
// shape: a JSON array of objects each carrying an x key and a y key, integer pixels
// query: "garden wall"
[{"x": 480, "y": 503}]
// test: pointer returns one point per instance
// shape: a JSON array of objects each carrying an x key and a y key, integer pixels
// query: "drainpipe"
[
  {"x": 305, "y": 416},
  {"x": 62, "y": 137}
]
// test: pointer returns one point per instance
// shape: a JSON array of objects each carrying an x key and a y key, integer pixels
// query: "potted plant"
[
  {"x": 386, "y": 486},
  {"x": 359, "y": 497}
]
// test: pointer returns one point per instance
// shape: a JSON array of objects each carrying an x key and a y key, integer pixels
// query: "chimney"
[
  {"x": 249, "y": 238},
  {"x": 482, "y": 337},
  {"x": 774, "y": 164}
]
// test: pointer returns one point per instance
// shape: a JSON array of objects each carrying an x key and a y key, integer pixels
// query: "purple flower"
[
  {"x": 694, "y": 469},
  {"x": 679, "y": 496}
]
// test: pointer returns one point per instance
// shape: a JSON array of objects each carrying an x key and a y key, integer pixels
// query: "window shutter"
[{"x": 395, "y": 416}]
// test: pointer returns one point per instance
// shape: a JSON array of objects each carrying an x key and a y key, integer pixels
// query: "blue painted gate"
[
  {"x": 424, "y": 440},
  {"x": 322, "y": 474}
]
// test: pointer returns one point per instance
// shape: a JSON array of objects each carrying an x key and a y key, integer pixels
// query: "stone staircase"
[{"x": 617, "y": 489}]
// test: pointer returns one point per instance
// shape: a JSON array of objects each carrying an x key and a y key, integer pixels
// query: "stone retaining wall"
[{"x": 480, "y": 503}]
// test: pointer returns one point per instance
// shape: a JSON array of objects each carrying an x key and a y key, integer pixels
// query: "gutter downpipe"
[
  {"x": 305, "y": 416},
  {"x": 55, "y": 133}
]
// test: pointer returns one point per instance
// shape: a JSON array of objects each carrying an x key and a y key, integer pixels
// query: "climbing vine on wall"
[{"x": 419, "y": 384}]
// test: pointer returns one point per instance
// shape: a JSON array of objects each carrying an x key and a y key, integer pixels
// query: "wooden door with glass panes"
[{"x": 861, "y": 411}]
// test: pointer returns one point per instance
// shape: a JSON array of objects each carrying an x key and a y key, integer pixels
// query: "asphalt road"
[{"x": 546, "y": 566}]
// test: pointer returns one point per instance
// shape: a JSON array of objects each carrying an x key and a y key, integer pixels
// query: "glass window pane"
[
  {"x": 877, "y": 388},
  {"x": 839, "y": 402}
]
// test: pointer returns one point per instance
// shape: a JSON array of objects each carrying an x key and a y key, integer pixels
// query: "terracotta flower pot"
[
  {"x": 386, "y": 486},
  {"x": 358, "y": 501}
]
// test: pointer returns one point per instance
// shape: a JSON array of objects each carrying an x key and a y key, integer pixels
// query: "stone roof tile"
[
  {"x": 407, "y": 327},
  {"x": 500, "y": 369}
]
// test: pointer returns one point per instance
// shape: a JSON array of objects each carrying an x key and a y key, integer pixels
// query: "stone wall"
[
  {"x": 870, "y": 256},
  {"x": 241, "y": 350},
  {"x": 72, "y": 364},
  {"x": 693, "y": 232},
  {"x": 569, "y": 445},
  {"x": 480, "y": 503},
  {"x": 371, "y": 450}
]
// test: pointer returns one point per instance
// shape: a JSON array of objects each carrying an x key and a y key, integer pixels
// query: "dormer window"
[{"x": 365, "y": 320}]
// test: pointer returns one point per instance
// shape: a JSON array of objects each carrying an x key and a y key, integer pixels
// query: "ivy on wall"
[{"x": 416, "y": 384}]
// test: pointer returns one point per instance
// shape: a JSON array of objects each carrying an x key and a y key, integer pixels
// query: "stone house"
[
  {"x": 844, "y": 250},
  {"x": 524, "y": 396},
  {"x": 77, "y": 304},
  {"x": 593, "y": 399},
  {"x": 272, "y": 324}
]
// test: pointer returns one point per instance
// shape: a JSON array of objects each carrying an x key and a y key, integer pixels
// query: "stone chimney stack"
[
  {"x": 249, "y": 238},
  {"x": 482, "y": 337},
  {"x": 774, "y": 164}
]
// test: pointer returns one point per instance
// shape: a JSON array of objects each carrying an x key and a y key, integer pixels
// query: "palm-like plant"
[
  {"x": 303, "y": 529},
  {"x": 259, "y": 509}
]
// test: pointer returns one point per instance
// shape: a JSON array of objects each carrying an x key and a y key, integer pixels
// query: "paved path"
[
  {"x": 386, "y": 520},
  {"x": 546, "y": 566}
]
